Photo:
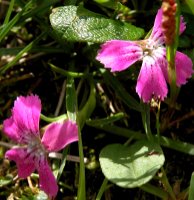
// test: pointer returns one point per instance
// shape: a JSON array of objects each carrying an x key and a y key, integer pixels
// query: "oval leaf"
[
  {"x": 132, "y": 166},
  {"x": 74, "y": 23}
]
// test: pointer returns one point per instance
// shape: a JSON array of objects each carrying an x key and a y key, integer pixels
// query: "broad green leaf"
[
  {"x": 74, "y": 23},
  {"x": 132, "y": 166},
  {"x": 118, "y": 7}
]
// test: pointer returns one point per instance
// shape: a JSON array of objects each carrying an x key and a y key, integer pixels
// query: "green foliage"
[
  {"x": 78, "y": 24},
  {"x": 71, "y": 100},
  {"x": 39, "y": 53},
  {"x": 131, "y": 166},
  {"x": 191, "y": 188},
  {"x": 5, "y": 180}
]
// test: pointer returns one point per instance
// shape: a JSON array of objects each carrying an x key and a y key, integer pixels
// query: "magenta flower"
[
  {"x": 23, "y": 128},
  {"x": 118, "y": 55}
]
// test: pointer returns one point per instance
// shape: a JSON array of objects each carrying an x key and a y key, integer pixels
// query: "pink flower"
[
  {"x": 23, "y": 128},
  {"x": 118, "y": 55}
]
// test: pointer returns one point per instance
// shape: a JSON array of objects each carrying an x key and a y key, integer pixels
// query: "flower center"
[
  {"x": 36, "y": 150},
  {"x": 149, "y": 47}
]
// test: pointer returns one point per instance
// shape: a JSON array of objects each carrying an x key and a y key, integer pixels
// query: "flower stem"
[
  {"x": 146, "y": 121},
  {"x": 158, "y": 123},
  {"x": 71, "y": 106},
  {"x": 81, "y": 189}
]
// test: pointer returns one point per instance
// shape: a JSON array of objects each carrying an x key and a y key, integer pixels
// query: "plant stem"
[
  {"x": 146, "y": 121},
  {"x": 102, "y": 189},
  {"x": 81, "y": 189},
  {"x": 167, "y": 184},
  {"x": 158, "y": 123},
  {"x": 53, "y": 119}
]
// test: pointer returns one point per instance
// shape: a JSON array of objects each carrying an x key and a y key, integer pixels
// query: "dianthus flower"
[
  {"x": 118, "y": 55},
  {"x": 23, "y": 128}
]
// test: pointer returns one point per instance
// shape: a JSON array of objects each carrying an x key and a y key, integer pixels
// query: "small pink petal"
[
  {"x": 47, "y": 180},
  {"x": 59, "y": 135},
  {"x": 25, "y": 165},
  {"x": 183, "y": 68},
  {"x": 26, "y": 114},
  {"x": 182, "y": 25},
  {"x": 11, "y": 129},
  {"x": 157, "y": 28},
  {"x": 151, "y": 82},
  {"x": 158, "y": 20},
  {"x": 118, "y": 55}
]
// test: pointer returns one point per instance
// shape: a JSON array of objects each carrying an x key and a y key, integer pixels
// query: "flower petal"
[
  {"x": 182, "y": 25},
  {"x": 59, "y": 135},
  {"x": 24, "y": 164},
  {"x": 26, "y": 114},
  {"x": 183, "y": 68},
  {"x": 119, "y": 54},
  {"x": 11, "y": 129},
  {"x": 159, "y": 54},
  {"x": 151, "y": 82},
  {"x": 157, "y": 34},
  {"x": 47, "y": 180}
]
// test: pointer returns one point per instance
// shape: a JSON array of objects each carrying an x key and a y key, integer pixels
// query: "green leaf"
[
  {"x": 74, "y": 23},
  {"x": 132, "y": 166},
  {"x": 5, "y": 180},
  {"x": 191, "y": 5},
  {"x": 104, "y": 121},
  {"x": 191, "y": 188},
  {"x": 63, "y": 163},
  {"x": 71, "y": 100},
  {"x": 89, "y": 106},
  {"x": 21, "y": 53},
  {"x": 66, "y": 73},
  {"x": 71, "y": 105}
]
